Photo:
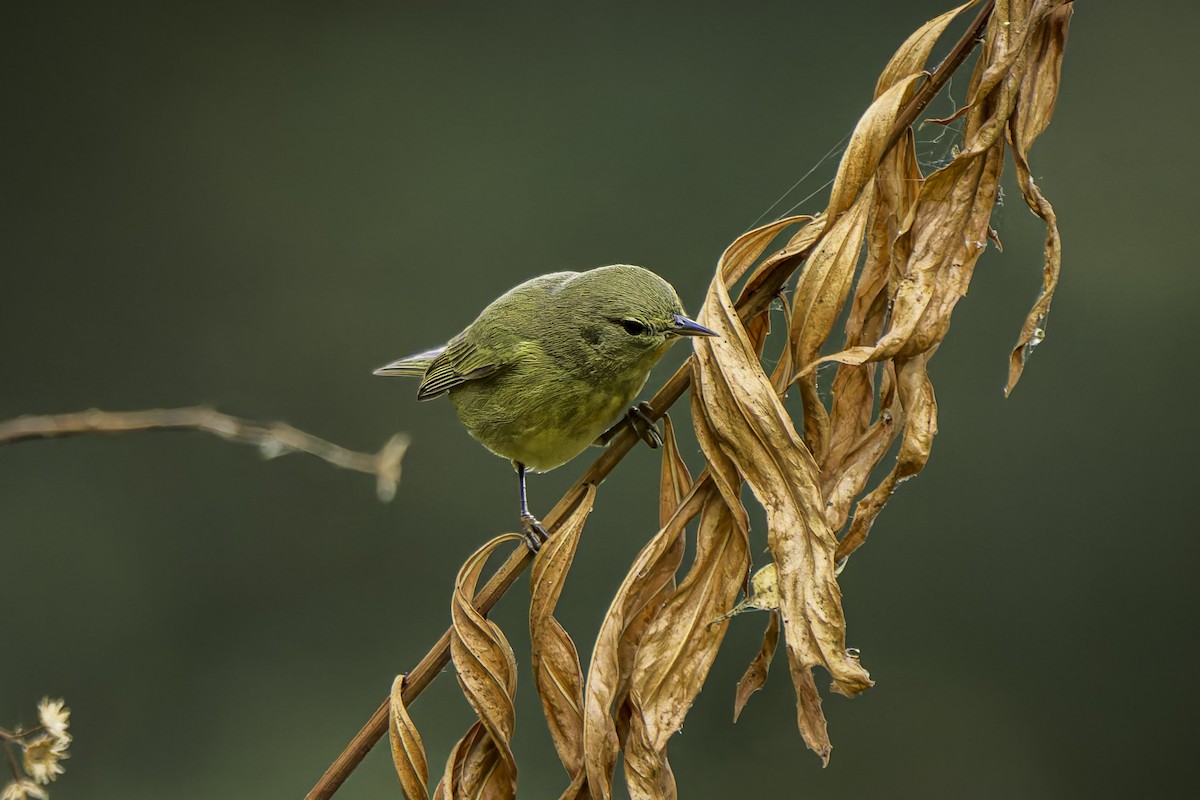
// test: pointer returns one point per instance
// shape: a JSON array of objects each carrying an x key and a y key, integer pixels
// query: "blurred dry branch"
[
  {"x": 271, "y": 438},
  {"x": 891, "y": 254}
]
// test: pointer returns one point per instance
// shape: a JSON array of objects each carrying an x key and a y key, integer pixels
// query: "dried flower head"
[
  {"x": 54, "y": 716},
  {"x": 23, "y": 789},
  {"x": 42, "y": 757}
]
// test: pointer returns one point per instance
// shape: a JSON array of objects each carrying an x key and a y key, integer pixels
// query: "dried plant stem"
[
  {"x": 749, "y": 305},
  {"x": 272, "y": 438}
]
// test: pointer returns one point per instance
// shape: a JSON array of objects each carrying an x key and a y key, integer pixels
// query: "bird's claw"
[
  {"x": 534, "y": 532},
  {"x": 642, "y": 420}
]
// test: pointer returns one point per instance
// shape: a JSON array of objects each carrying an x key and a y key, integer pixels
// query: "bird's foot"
[
  {"x": 535, "y": 533},
  {"x": 641, "y": 419}
]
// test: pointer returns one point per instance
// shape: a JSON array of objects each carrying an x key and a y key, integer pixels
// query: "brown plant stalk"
[
  {"x": 272, "y": 438},
  {"x": 755, "y": 299}
]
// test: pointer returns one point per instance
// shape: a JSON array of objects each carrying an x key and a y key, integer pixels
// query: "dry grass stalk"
[
  {"x": 899, "y": 248},
  {"x": 273, "y": 439}
]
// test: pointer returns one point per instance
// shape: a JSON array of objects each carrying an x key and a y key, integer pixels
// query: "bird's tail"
[{"x": 414, "y": 366}]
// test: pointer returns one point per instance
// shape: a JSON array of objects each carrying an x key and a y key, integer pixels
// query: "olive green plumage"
[{"x": 552, "y": 364}]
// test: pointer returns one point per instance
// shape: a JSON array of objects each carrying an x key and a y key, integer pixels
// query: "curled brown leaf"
[
  {"x": 1036, "y": 97},
  {"x": 867, "y": 145},
  {"x": 818, "y": 300},
  {"x": 678, "y": 647},
  {"x": 911, "y": 56},
  {"x": 918, "y": 409},
  {"x": 756, "y": 674},
  {"x": 750, "y": 428},
  {"x": 557, "y": 674},
  {"x": 408, "y": 752},
  {"x": 675, "y": 478},
  {"x": 482, "y": 764},
  {"x": 636, "y": 601}
]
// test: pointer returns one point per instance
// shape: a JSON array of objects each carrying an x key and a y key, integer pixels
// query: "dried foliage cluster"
[{"x": 899, "y": 248}]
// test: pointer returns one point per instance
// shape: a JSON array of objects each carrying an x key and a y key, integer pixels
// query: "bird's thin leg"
[
  {"x": 535, "y": 534},
  {"x": 641, "y": 419}
]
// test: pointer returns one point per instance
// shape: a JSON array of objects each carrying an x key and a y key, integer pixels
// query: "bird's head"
[{"x": 628, "y": 316}]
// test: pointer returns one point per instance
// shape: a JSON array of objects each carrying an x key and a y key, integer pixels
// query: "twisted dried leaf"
[
  {"x": 867, "y": 145},
  {"x": 825, "y": 283},
  {"x": 738, "y": 257},
  {"x": 911, "y": 56},
  {"x": 918, "y": 408},
  {"x": 1038, "y": 91},
  {"x": 745, "y": 250},
  {"x": 721, "y": 468},
  {"x": 556, "y": 671},
  {"x": 675, "y": 479},
  {"x": 897, "y": 184},
  {"x": 674, "y": 484},
  {"x": 856, "y": 442},
  {"x": 1035, "y": 105},
  {"x": 819, "y": 298},
  {"x": 1033, "y": 329},
  {"x": 749, "y": 426},
  {"x": 408, "y": 752},
  {"x": 636, "y": 601},
  {"x": 678, "y": 648},
  {"x": 732, "y": 262},
  {"x": 471, "y": 767},
  {"x": 810, "y": 716},
  {"x": 482, "y": 764},
  {"x": 846, "y": 478},
  {"x": 816, "y": 421},
  {"x": 755, "y": 676}
]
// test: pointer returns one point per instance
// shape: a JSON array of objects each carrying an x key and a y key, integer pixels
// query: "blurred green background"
[{"x": 253, "y": 205}]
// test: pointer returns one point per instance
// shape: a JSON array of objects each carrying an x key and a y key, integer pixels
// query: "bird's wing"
[
  {"x": 465, "y": 360},
  {"x": 460, "y": 362}
]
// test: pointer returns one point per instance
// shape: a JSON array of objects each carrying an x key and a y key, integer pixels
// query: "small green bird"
[{"x": 551, "y": 366}]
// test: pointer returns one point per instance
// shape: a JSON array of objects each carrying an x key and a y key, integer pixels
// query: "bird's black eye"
[{"x": 633, "y": 327}]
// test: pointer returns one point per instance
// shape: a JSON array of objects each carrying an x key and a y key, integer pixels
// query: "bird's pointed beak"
[{"x": 687, "y": 327}]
